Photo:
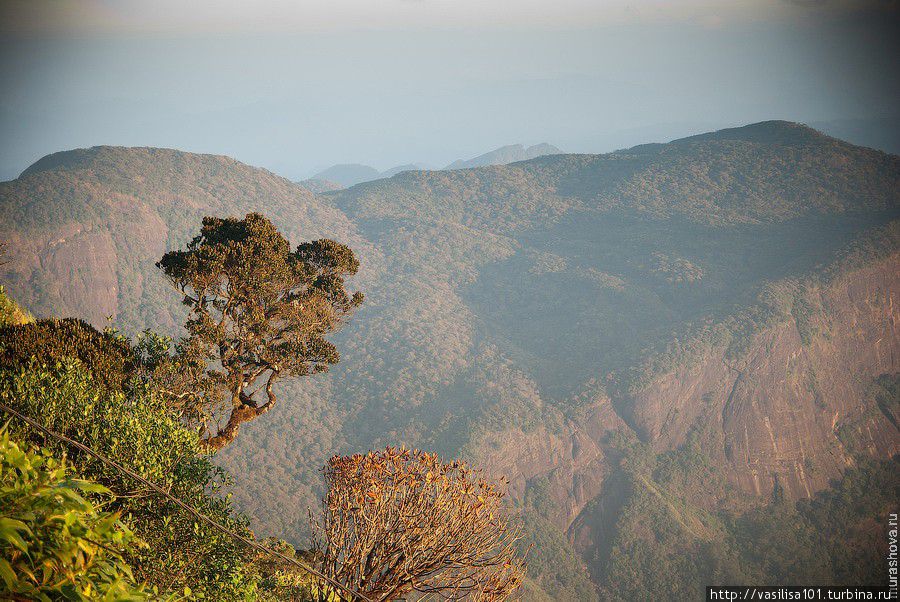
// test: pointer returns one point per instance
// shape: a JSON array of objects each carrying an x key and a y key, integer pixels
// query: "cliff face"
[
  {"x": 573, "y": 457},
  {"x": 776, "y": 413},
  {"x": 86, "y": 269},
  {"x": 790, "y": 408}
]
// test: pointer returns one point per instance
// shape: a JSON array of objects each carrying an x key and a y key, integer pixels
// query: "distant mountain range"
[
  {"x": 878, "y": 133},
  {"x": 346, "y": 175},
  {"x": 663, "y": 348},
  {"x": 507, "y": 154}
]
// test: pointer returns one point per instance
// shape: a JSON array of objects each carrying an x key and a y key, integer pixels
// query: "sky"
[{"x": 296, "y": 86}]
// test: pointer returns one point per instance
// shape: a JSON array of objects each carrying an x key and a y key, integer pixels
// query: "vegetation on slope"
[
  {"x": 143, "y": 436},
  {"x": 74, "y": 383},
  {"x": 10, "y": 312},
  {"x": 667, "y": 547}
]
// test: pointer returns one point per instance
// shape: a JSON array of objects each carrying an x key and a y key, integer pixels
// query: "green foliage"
[
  {"x": 651, "y": 556},
  {"x": 110, "y": 358},
  {"x": 55, "y": 544},
  {"x": 11, "y": 313},
  {"x": 138, "y": 432},
  {"x": 848, "y": 521},
  {"x": 778, "y": 544},
  {"x": 553, "y": 564},
  {"x": 282, "y": 581},
  {"x": 651, "y": 552}
]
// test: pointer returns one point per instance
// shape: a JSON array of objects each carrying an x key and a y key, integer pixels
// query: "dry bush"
[{"x": 400, "y": 523}]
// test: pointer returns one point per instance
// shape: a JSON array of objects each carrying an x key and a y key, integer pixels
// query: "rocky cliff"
[{"x": 784, "y": 411}]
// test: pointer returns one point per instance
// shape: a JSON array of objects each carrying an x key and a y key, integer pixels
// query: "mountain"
[
  {"x": 318, "y": 186},
  {"x": 400, "y": 168},
  {"x": 351, "y": 174},
  {"x": 684, "y": 356},
  {"x": 344, "y": 176},
  {"x": 506, "y": 154},
  {"x": 348, "y": 174}
]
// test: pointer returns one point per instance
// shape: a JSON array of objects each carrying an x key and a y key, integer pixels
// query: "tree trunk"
[{"x": 239, "y": 415}]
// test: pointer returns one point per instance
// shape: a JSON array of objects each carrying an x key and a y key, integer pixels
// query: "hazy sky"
[{"x": 295, "y": 86}]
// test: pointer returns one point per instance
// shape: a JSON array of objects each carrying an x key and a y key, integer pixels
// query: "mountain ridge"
[
  {"x": 351, "y": 174},
  {"x": 669, "y": 264},
  {"x": 503, "y": 155}
]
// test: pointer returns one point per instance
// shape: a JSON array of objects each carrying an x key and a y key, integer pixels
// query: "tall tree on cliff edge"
[{"x": 259, "y": 312}]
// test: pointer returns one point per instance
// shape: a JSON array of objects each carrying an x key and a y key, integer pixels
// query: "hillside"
[
  {"x": 610, "y": 331},
  {"x": 85, "y": 227},
  {"x": 319, "y": 186}
]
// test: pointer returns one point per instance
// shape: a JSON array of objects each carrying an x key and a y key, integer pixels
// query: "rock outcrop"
[{"x": 781, "y": 412}]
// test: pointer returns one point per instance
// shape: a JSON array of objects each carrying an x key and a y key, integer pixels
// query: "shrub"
[
  {"x": 10, "y": 312},
  {"x": 138, "y": 432},
  {"x": 398, "y": 521},
  {"x": 109, "y": 357},
  {"x": 55, "y": 543}
]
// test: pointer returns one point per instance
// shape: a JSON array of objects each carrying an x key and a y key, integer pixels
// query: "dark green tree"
[
  {"x": 109, "y": 357},
  {"x": 259, "y": 312},
  {"x": 138, "y": 430}
]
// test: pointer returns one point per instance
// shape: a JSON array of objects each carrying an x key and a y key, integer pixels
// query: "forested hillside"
[{"x": 673, "y": 347}]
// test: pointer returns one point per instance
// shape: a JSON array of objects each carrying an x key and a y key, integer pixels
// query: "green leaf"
[{"x": 6, "y": 572}]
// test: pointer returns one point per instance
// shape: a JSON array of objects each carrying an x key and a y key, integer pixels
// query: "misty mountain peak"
[
  {"x": 768, "y": 132},
  {"x": 506, "y": 154}
]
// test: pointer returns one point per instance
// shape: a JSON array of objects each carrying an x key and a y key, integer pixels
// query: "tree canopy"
[{"x": 259, "y": 312}]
